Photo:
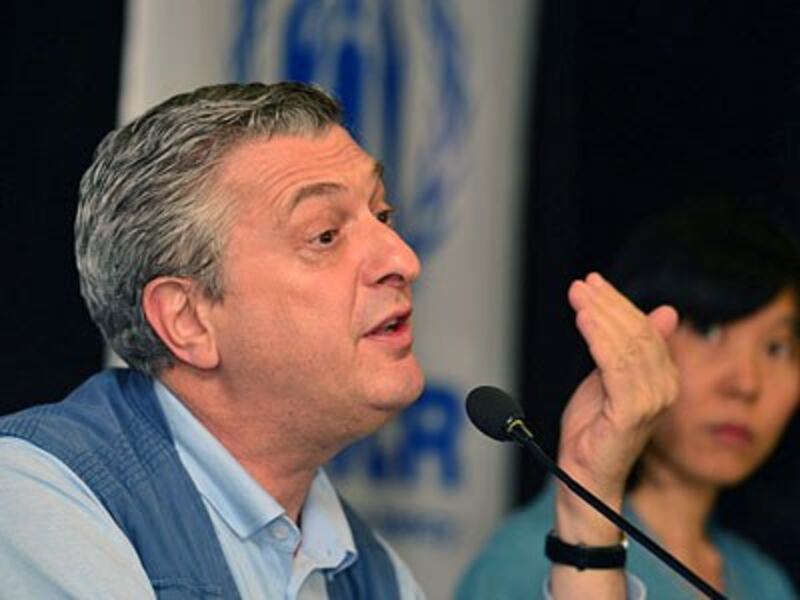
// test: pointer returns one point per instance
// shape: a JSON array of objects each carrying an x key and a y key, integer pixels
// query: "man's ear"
[{"x": 177, "y": 310}]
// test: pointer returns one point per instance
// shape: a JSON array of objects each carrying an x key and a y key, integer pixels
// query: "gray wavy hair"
[{"x": 149, "y": 206}]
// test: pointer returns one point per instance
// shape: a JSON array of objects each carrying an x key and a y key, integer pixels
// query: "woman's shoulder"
[
  {"x": 748, "y": 569},
  {"x": 523, "y": 526},
  {"x": 512, "y": 562}
]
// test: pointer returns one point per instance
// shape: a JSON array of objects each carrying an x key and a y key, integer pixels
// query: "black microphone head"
[{"x": 491, "y": 409}]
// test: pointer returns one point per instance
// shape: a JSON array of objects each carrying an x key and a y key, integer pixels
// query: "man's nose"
[{"x": 391, "y": 260}]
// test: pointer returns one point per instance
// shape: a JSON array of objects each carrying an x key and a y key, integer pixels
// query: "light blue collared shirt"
[{"x": 57, "y": 539}]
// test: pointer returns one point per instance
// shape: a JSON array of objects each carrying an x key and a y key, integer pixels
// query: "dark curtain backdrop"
[
  {"x": 60, "y": 71},
  {"x": 640, "y": 104}
]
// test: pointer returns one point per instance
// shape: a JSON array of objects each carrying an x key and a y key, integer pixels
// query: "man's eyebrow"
[
  {"x": 326, "y": 188},
  {"x": 380, "y": 183},
  {"x": 323, "y": 188}
]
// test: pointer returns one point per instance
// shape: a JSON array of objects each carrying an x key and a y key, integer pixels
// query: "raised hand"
[
  {"x": 611, "y": 414},
  {"x": 608, "y": 421}
]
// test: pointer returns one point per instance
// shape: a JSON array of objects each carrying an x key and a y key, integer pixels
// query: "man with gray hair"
[{"x": 235, "y": 247}]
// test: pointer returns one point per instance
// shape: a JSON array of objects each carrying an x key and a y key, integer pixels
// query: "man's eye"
[
  {"x": 386, "y": 216},
  {"x": 327, "y": 237}
]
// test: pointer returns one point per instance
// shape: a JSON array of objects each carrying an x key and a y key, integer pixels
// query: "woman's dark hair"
[{"x": 713, "y": 259}]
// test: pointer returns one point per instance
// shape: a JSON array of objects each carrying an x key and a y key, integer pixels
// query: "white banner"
[{"x": 436, "y": 90}]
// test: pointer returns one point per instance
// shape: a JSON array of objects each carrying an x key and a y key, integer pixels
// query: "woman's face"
[{"x": 739, "y": 385}]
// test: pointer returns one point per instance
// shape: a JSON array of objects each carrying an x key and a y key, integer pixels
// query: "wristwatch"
[{"x": 583, "y": 557}]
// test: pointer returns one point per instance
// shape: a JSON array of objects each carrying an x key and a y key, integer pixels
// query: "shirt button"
[{"x": 280, "y": 531}]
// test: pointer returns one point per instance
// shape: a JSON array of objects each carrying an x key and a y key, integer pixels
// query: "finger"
[
  {"x": 612, "y": 308},
  {"x": 612, "y": 325},
  {"x": 606, "y": 319},
  {"x": 625, "y": 345},
  {"x": 609, "y": 335},
  {"x": 578, "y": 295},
  {"x": 606, "y": 290},
  {"x": 606, "y": 342},
  {"x": 664, "y": 319},
  {"x": 608, "y": 298},
  {"x": 615, "y": 305}
]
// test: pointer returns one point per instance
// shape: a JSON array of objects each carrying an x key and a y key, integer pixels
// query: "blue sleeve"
[{"x": 56, "y": 538}]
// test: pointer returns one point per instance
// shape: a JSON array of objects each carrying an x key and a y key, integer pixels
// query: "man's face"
[
  {"x": 740, "y": 384},
  {"x": 315, "y": 317}
]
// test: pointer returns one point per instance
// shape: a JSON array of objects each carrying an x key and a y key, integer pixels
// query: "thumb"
[{"x": 664, "y": 319}]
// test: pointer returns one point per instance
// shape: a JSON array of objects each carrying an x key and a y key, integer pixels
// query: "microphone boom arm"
[{"x": 518, "y": 431}]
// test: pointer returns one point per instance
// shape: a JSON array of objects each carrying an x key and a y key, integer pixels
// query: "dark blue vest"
[{"x": 112, "y": 433}]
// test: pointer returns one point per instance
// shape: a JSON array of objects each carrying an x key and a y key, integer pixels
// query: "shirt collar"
[
  {"x": 327, "y": 537},
  {"x": 241, "y": 501}
]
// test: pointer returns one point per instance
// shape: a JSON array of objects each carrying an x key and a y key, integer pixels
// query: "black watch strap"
[{"x": 585, "y": 557}]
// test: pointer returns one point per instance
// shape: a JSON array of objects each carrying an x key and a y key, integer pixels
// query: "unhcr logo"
[{"x": 398, "y": 68}]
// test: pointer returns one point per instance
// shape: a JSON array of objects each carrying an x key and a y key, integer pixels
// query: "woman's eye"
[
  {"x": 781, "y": 348},
  {"x": 710, "y": 333}
]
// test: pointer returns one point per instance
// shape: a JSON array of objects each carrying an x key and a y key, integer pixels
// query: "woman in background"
[{"x": 735, "y": 281}]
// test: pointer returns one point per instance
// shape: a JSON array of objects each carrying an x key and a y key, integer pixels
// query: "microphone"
[{"x": 499, "y": 416}]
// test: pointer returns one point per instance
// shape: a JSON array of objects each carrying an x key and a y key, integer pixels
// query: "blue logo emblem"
[{"x": 398, "y": 68}]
